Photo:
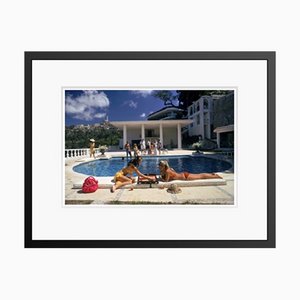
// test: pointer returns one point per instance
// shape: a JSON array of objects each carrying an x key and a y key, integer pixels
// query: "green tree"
[
  {"x": 104, "y": 134},
  {"x": 185, "y": 97},
  {"x": 167, "y": 96}
]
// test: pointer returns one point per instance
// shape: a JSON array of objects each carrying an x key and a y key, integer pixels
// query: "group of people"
[
  {"x": 150, "y": 148},
  {"x": 125, "y": 176}
]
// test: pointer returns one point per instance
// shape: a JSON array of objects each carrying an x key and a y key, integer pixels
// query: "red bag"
[{"x": 90, "y": 185}]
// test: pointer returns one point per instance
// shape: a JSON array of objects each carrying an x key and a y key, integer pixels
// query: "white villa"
[
  {"x": 167, "y": 131},
  {"x": 208, "y": 123},
  {"x": 201, "y": 115},
  {"x": 171, "y": 123}
]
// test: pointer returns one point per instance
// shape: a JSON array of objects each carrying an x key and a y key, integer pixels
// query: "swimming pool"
[{"x": 181, "y": 163}]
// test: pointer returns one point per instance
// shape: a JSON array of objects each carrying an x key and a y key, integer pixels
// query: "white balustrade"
[{"x": 84, "y": 152}]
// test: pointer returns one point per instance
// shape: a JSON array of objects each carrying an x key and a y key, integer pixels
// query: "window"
[
  {"x": 192, "y": 109},
  {"x": 198, "y": 119},
  {"x": 206, "y": 118},
  {"x": 150, "y": 132}
]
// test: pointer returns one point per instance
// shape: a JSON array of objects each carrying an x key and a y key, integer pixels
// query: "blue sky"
[{"x": 94, "y": 106}]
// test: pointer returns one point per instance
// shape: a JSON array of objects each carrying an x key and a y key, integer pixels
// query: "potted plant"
[
  {"x": 197, "y": 147},
  {"x": 102, "y": 149},
  {"x": 204, "y": 145}
]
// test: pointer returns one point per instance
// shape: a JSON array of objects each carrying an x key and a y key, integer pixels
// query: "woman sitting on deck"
[
  {"x": 121, "y": 177},
  {"x": 168, "y": 174}
]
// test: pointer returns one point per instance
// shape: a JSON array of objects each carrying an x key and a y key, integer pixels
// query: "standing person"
[
  {"x": 155, "y": 147},
  {"x": 167, "y": 173},
  {"x": 127, "y": 148},
  {"x": 124, "y": 176},
  {"x": 92, "y": 148},
  {"x": 149, "y": 146},
  {"x": 136, "y": 151},
  {"x": 152, "y": 148},
  {"x": 143, "y": 146},
  {"x": 159, "y": 147}
]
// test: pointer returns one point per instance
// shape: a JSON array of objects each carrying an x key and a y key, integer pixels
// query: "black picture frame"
[{"x": 268, "y": 56}]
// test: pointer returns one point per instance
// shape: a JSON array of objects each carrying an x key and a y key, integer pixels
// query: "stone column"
[
  {"x": 143, "y": 131},
  {"x": 124, "y": 135},
  {"x": 202, "y": 125},
  {"x": 161, "y": 136},
  {"x": 179, "y": 144},
  {"x": 218, "y": 139}
]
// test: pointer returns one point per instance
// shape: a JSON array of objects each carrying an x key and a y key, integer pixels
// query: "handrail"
[{"x": 83, "y": 152}]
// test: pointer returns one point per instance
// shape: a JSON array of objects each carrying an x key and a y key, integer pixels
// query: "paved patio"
[{"x": 205, "y": 192}]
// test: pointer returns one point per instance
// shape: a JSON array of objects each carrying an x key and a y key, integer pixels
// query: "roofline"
[
  {"x": 153, "y": 122},
  {"x": 165, "y": 108},
  {"x": 224, "y": 128}
]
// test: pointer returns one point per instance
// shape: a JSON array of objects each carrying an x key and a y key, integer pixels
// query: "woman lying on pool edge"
[
  {"x": 124, "y": 176},
  {"x": 167, "y": 173}
]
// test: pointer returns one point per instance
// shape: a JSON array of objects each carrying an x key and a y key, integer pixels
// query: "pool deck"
[{"x": 205, "y": 191}]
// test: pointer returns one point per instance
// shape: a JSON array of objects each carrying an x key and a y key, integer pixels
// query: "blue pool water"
[{"x": 150, "y": 165}]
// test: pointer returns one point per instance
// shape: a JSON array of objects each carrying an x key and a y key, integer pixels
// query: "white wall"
[
  {"x": 197, "y": 128},
  {"x": 205, "y": 118},
  {"x": 148, "y": 273},
  {"x": 133, "y": 134},
  {"x": 170, "y": 134}
]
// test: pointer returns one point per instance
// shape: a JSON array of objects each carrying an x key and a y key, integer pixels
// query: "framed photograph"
[{"x": 150, "y": 149}]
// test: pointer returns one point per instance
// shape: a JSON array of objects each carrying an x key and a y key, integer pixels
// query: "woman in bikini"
[
  {"x": 124, "y": 176},
  {"x": 168, "y": 174}
]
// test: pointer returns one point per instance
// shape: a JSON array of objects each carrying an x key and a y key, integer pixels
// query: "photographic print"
[
  {"x": 150, "y": 149},
  {"x": 149, "y": 146}
]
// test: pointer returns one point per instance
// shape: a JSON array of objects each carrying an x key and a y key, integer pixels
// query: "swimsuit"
[
  {"x": 120, "y": 174},
  {"x": 117, "y": 175},
  {"x": 186, "y": 174},
  {"x": 173, "y": 175}
]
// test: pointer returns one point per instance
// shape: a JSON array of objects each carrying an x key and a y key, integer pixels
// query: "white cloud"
[
  {"x": 100, "y": 115},
  {"x": 87, "y": 105},
  {"x": 86, "y": 115},
  {"x": 131, "y": 104},
  {"x": 143, "y": 93},
  {"x": 143, "y": 115}
]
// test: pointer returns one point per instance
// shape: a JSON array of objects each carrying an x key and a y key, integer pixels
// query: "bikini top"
[{"x": 125, "y": 171}]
